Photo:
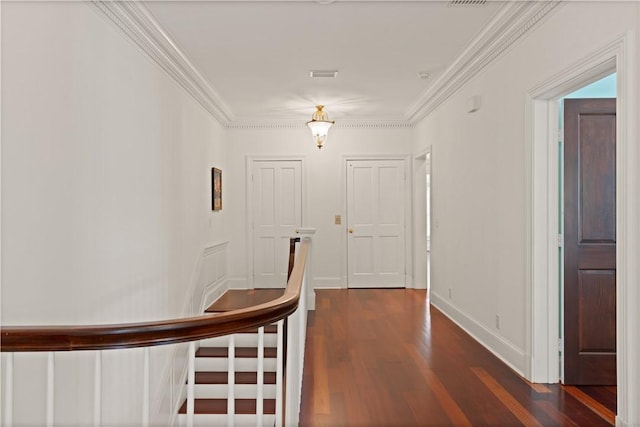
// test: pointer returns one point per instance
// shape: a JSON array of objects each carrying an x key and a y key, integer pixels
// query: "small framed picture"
[{"x": 216, "y": 189}]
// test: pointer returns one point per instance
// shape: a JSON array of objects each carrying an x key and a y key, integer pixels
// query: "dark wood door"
[{"x": 590, "y": 241}]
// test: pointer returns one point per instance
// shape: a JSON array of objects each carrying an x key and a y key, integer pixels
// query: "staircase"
[
  {"x": 212, "y": 364},
  {"x": 240, "y": 380}
]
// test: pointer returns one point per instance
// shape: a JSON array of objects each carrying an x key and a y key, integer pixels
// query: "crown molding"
[
  {"x": 263, "y": 124},
  {"x": 373, "y": 124},
  {"x": 341, "y": 124},
  {"x": 137, "y": 23},
  {"x": 514, "y": 20},
  {"x": 510, "y": 24}
]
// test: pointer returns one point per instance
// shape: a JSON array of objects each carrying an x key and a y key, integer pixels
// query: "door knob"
[
  {"x": 351, "y": 230},
  {"x": 297, "y": 231}
]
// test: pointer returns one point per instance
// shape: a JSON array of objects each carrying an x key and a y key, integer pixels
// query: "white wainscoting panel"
[
  {"x": 214, "y": 272},
  {"x": 211, "y": 284}
]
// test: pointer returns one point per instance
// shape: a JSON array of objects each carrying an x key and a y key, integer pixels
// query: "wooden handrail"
[{"x": 145, "y": 334}]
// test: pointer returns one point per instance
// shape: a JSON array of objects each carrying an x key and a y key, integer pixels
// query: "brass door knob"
[{"x": 351, "y": 231}]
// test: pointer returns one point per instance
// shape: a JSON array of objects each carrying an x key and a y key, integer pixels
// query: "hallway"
[{"x": 386, "y": 358}]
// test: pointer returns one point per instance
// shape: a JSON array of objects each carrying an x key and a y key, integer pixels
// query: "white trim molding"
[
  {"x": 215, "y": 247},
  {"x": 210, "y": 283},
  {"x": 214, "y": 273},
  {"x": 306, "y": 231},
  {"x": 622, "y": 56},
  {"x": 340, "y": 124},
  {"x": 503, "y": 349},
  {"x": 320, "y": 282},
  {"x": 509, "y": 25},
  {"x": 137, "y": 23},
  {"x": 238, "y": 283}
]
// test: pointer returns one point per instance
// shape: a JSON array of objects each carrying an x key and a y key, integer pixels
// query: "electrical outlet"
[{"x": 497, "y": 321}]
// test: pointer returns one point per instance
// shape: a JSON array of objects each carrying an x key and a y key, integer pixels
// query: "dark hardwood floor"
[
  {"x": 386, "y": 358},
  {"x": 235, "y": 299}
]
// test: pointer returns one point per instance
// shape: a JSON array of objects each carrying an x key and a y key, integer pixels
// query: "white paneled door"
[
  {"x": 376, "y": 223},
  {"x": 277, "y": 213}
]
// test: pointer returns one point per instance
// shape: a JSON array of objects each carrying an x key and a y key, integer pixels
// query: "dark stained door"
[{"x": 590, "y": 241}]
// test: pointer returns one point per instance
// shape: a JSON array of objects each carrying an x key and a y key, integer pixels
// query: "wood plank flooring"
[{"x": 386, "y": 358}]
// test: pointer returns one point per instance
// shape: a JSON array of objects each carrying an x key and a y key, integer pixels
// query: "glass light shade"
[{"x": 319, "y": 126}]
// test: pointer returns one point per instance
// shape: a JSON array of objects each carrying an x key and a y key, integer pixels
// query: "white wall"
[
  {"x": 324, "y": 189},
  {"x": 105, "y": 195},
  {"x": 479, "y": 246}
]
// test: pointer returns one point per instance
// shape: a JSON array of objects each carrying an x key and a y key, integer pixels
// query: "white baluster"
[
  {"x": 8, "y": 391},
  {"x": 289, "y": 386},
  {"x": 191, "y": 379},
  {"x": 145, "y": 387},
  {"x": 260, "y": 379},
  {"x": 279, "y": 420},
  {"x": 231, "y": 370},
  {"x": 50, "y": 387},
  {"x": 97, "y": 390}
]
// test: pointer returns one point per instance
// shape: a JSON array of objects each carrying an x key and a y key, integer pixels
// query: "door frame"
[
  {"x": 421, "y": 163},
  {"x": 249, "y": 160},
  {"x": 541, "y": 263},
  {"x": 408, "y": 224}
]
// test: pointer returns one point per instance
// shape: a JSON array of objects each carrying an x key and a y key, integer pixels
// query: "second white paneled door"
[
  {"x": 376, "y": 223},
  {"x": 277, "y": 213}
]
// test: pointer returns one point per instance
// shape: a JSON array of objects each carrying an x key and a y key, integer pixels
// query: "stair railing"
[{"x": 53, "y": 339}]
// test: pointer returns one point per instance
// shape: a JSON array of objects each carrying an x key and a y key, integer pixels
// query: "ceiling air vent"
[
  {"x": 323, "y": 73},
  {"x": 467, "y": 2}
]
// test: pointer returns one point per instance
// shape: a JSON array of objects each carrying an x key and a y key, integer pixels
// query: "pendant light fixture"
[{"x": 319, "y": 125}]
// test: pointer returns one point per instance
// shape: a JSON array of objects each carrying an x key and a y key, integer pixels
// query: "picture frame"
[{"x": 216, "y": 189}]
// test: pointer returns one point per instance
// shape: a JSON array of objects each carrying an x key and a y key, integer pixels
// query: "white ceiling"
[{"x": 256, "y": 55}]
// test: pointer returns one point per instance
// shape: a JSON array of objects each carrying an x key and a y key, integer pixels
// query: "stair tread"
[
  {"x": 269, "y": 352},
  {"x": 240, "y": 378},
  {"x": 219, "y": 406}
]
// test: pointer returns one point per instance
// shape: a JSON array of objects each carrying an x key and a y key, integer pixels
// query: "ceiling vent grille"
[
  {"x": 467, "y": 2},
  {"x": 323, "y": 73}
]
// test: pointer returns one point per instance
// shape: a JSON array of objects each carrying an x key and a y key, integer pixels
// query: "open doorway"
[
  {"x": 587, "y": 253},
  {"x": 428, "y": 214},
  {"x": 543, "y": 235},
  {"x": 423, "y": 218},
  {"x": 544, "y": 225}
]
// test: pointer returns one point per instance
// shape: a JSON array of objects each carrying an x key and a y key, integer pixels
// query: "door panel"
[
  {"x": 389, "y": 260},
  {"x": 363, "y": 253},
  {"x": 590, "y": 242},
  {"x": 375, "y": 219},
  {"x": 277, "y": 213}
]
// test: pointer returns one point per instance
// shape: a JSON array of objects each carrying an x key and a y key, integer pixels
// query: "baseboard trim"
[
  {"x": 409, "y": 282},
  {"x": 504, "y": 350},
  {"x": 212, "y": 293},
  {"x": 238, "y": 283},
  {"x": 328, "y": 283}
]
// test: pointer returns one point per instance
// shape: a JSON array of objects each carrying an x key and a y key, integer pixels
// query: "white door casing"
[
  {"x": 621, "y": 56},
  {"x": 277, "y": 212},
  {"x": 375, "y": 223}
]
